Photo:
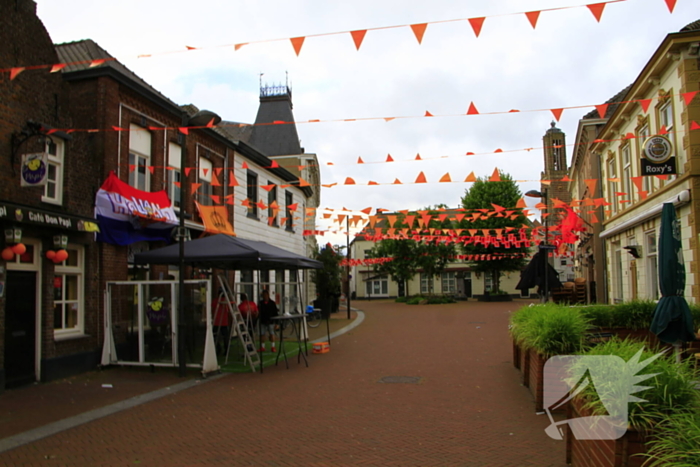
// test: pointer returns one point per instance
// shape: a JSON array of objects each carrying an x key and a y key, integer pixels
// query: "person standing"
[
  {"x": 268, "y": 310},
  {"x": 222, "y": 323}
]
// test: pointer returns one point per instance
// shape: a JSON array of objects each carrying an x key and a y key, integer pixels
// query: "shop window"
[
  {"x": 53, "y": 190},
  {"x": 68, "y": 295}
]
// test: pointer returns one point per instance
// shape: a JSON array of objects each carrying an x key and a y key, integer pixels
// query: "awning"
[{"x": 16, "y": 213}]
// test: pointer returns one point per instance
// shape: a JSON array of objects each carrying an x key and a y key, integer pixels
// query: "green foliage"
[
  {"x": 550, "y": 329},
  {"x": 403, "y": 265},
  {"x": 695, "y": 311},
  {"x": 634, "y": 314},
  {"x": 600, "y": 316},
  {"x": 483, "y": 195},
  {"x": 669, "y": 393},
  {"x": 327, "y": 280},
  {"x": 403, "y": 299},
  {"x": 430, "y": 300},
  {"x": 676, "y": 442},
  {"x": 415, "y": 300},
  {"x": 498, "y": 292}
]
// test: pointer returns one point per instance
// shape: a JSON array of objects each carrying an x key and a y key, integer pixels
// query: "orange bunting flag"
[
  {"x": 389, "y": 158},
  {"x": 244, "y": 165},
  {"x": 303, "y": 182},
  {"x": 498, "y": 208},
  {"x": 372, "y": 221},
  {"x": 297, "y": 42},
  {"x": 293, "y": 207},
  {"x": 233, "y": 181},
  {"x": 694, "y": 125},
  {"x": 409, "y": 221},
  {"x": 496, "y": 176},
  {"x": 391, "y": 220},
  {"x": 269, "y": 187},
  {"x": 476, "y": 24},
  {"x": 16, "y": 71},
  {"x": 397, "y": 182},
  {"x": 184, "y": 130},
  {"x": 358, "y": 37},
  {"x": 688, "y": 96},
  {"x": 420, "y": 178},
  {"x": 58, "y": 67},
  {"x": 671, "y": 4},
  {"x": 372, "y": 183},
  {"x": 215, "y": 180},
  {"x": 418, "y": 158},
  {"x": 419, "y": 30},
  {"x": 274, "y": 165},
  {"x": 472, "y": 109},
  {"x": 238, "y": 46},
  {"x": 194, "y": 187},
  {"x": 151, "y": 169},
  {"x": 597, "y": 10},
  {"x": 446, "y": 178},
  {"x": 645, "y": 104},
  {"x": 360, "y": 161},
  {"x": 591, "y": 183},
  {"x": 216, "y": 199},
  {"x": 470, "y": 178},
  {"x": 565, "y": 179},
  {"x": 521, "y": 203},
  {"x": 349, "y": 181},
  {"x": 557, "y": 113},
  {"x": 428, "y": 114},
  {"x": 215, "y": 219},
  {"x": 602, "y": 108},
  {"x": 532, "y": 17},
  {"x": 498, "y": 150}
]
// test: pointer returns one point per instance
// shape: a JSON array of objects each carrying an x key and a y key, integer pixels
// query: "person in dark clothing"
[{"x": 267, "y": 309}]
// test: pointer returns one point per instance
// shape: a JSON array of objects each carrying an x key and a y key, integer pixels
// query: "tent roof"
[{"x": 226, "y": 252}]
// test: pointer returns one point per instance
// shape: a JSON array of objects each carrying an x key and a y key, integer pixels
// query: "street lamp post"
[
  {"x": 347, "y": 249},
  {"x": 200, "y": 119},
  {"x": 544, "y": 249}
]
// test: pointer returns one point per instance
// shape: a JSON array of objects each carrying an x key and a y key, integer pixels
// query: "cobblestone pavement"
[{"x": 468, "y": 407}]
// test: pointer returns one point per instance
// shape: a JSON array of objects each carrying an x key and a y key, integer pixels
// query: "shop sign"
[
  {"x": 658, "y": 156},
  {"x": 26, "y": 215},
  {"x": 34, "y": 171}
]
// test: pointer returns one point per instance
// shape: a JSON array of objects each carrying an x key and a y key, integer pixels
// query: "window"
[
  {"x": 642, "y": 135},
  {"x": 174, "y": 173},
  {"x": 448, "y": 282},
  {"x": 376, "y": 287},
  {"x": 612, "y": 174},
  {"x": 627, "y": 171},
  {"x": 53, "y": 190},
  {"x": 557, "y": 155},
  {"x": 272, "y": 207},
  {"x": 289, "y": 200},
  {"x": 426, "y": 283},
  {"x": 617, "y": 273},
  {"x": 68, "y": 304},
  {"x": 205, "y": 190},
  {"x": 139, "y": 158},
  {"x": 252, "y": 183},
  {"x": 652, "y": 266},
  {"x": 488, "y": 282},
  {"x": 666, "y": 116}
]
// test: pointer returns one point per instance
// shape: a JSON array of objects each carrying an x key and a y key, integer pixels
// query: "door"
[
  {"x": 468, "y": 286},
  {"x": 20, "y": 328},
  {"x": 402, "y": 288}
]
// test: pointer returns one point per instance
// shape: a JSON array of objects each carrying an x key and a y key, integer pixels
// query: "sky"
[{"x": 568, "y": 60}]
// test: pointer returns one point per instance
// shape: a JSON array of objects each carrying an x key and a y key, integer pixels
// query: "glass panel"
[
  {"x": 58, "y": 316},
  {"x": 58, "y": 287},
  {"x": 51, "y": 148},
  {"x": 27, "y": 256},
  {"x": 71, "y": 288},
  {"x": 71, "y": 315},
  {"x": 72, "y": 258},
  {"x": 368, "y": 288},
  {"x": 651, "y": 243},
  {"x": 385, "y": 287}
]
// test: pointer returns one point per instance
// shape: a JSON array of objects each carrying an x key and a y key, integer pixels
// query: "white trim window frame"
[
  {"x": 69, "y": 297},
  {"x": 174, "y": 174},
  {"x": 627, "y": 172},
  {"x": 426, "y": 283},
  {"x": 652, "y": 266},
  {"x": 139, "y": 158},
  {"x": 648, "y": 182},
  {"x": 612, "y": 173},
  {"x": 205, "y": 177},
  {"x": 449, "y": 283},
  {"x": 666, "y": 119},
  {"x": 53, "y": 190}
]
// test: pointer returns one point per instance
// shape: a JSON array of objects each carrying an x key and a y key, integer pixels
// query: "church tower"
[{"x": 555, "y": 167}]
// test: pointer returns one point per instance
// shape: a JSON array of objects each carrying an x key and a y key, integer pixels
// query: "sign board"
[
  {"x": 35, "y": 169},
  {"x": 40, "y": 217},
  {"x": 658, "y": 156}
]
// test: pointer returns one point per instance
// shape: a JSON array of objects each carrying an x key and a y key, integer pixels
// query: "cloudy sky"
[{"x": 568, "y": 60}]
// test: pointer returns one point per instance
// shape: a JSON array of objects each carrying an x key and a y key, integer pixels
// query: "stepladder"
[{"x": 241, "y": 327}]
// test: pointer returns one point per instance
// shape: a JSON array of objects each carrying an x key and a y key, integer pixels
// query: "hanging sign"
[
  {"x": 35, "y": 169},
  {"x": 658, "y": 160}
]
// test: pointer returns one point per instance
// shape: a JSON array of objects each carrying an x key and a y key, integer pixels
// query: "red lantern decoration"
[
  {"x": 61, "y": 256},
  {"x": 8, "y": 254},
  {"x": 50, "y": 254},
  {"x": 19, "y": 249}
]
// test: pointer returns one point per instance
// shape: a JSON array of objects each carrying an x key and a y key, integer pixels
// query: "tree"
[
  {"x": 484, "y": 194},
  {"x": 403, "y": 265},
  {"x": 327, "y": 280}
]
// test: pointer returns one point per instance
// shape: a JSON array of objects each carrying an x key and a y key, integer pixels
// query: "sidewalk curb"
[{"x": 30, "y": 436}]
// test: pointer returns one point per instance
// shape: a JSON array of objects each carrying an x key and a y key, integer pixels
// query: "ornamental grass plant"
[
  {"x": 550, "y": 329},
  {"x": 633, "y": 314},
  {"x": 670, "y": 392},
  {"x": 676, "y": 442}
]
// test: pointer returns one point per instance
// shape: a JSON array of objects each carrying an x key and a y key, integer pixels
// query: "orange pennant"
[
  {"x": 671, "y": 4},
  {"x": 597, "y": 10},
  {"x": 521, "y": 203},
  {"x": 372, "y": 183},
  {"x": 303, "y": 182},
  {"x": 194, "y": 187},
  {"x": 470, "y": 178},
  {"x": 58, "y": 67},
  {"x": 591, "y": 183},
  {"x": 476, "y": 24},
  {"x": 533, "y": 16},
  {"x": 496, "y": 176},
  {"x": 215, "y": 180},
  {"x": 360, "y": 161},
  {"x": 602, "y": 108},
  {"x": 349, "y": 181},
  {"x": 244, "y": 165},
  {"x": 694, "y": 125},
  {"x": 688, "y": 96},
  {"x": 389, "y": 158},
  {"x": 420, "y": 178},
  {"x": 16, "y": 71},
  {"x": 397, "y": 182},
  {"x": 297, "y": 42},
  {"x": 233, "y": 181},
  {"x": 358, "y": 37},
  {"x": 238, "y": 46},
  {"x": 419, "y": 30},
  {"x": 446, "y": 178},
  {"x": 645, "y": 104},
  {"x": 428, "y": 114},
  {"x": 418, "y": 158},
  {"x": 557, "y": 113},
  {"x": 472, "y": 109}
]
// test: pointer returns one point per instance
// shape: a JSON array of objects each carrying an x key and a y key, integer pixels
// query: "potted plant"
[
  {"x": 677, "y": 442},
  {"x": 670, "y": 392}
]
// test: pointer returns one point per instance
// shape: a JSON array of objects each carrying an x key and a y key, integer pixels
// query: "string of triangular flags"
[{"x": 357, "y": 36}]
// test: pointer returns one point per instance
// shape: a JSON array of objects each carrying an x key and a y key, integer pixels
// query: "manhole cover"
[{"x": 401, "y": 379}]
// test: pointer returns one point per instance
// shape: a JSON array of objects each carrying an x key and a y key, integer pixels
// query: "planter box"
[
  {"x": 494, "y": 298},
  {"x": 603, "y": 453},
  {"x": 516, "y": 355},
  {"x": 536, "y": 381}
]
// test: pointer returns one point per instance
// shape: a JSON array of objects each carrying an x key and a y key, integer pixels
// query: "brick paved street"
[{"x": 469, "y": 408}]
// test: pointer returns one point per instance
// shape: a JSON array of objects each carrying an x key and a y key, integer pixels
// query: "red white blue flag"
[{"x": 128, "y": 215}]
